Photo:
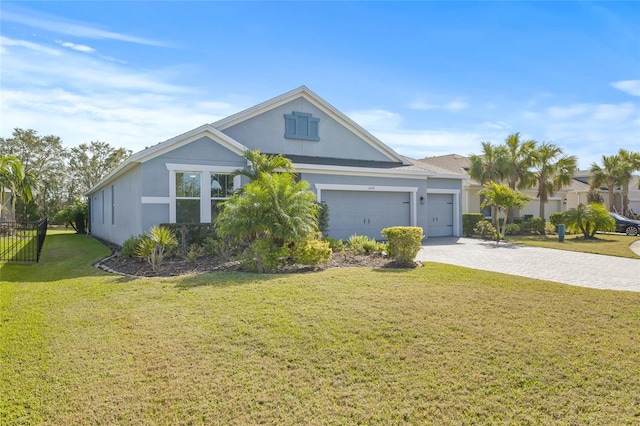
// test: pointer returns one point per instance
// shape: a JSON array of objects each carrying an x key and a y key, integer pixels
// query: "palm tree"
[
  {"x": 491, "y": 165},
  {"x": 630, "y": 163},
  {"x": 14, "y": 178},
  {"x": 263, "y": 163},
  {"x": 609, "y": 174},
  {"x": 554, "y": 170},
  {"x": 519, "y": 161}
]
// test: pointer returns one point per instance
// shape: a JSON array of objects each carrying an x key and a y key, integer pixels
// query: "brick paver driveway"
[{"x": 569, "y": 267}]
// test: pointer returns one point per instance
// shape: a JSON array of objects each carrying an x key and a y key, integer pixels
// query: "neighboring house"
[
  {"x": 566, "y": 198},
  {"x": 634, "y": 192},
  {"x": 6, "y": 212},
  {"x": 366, "y": 185}
]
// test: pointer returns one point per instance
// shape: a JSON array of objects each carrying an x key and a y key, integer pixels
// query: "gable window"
[
  {"x": 301, "y": 125},
  {"x": 221, "y": 189},
  {"x": 187, "y": 197}
]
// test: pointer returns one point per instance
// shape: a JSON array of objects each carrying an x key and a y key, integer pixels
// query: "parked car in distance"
[{"x": 626, "y": 225}]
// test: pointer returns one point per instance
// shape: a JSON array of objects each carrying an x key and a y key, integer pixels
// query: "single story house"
[{"x": 366, "y": 184}]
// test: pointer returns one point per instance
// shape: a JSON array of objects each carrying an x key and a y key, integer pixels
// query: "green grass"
[
  {"x": 435, "y": 345},
  {"x": 608, "y": 244}
]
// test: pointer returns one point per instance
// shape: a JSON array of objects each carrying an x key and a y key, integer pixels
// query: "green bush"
[
  {"x": 194, "y": 251},
  {"x": 361, "y": 244},
  {"x": 537, "y": 225},
  {"x": 403, "y": 243},
  {"x": 550, "y": 228},
  {"x": 75, "y": 215},
  {"x": 469, "y": 222},
  {"x": 556, "y": 219},
  {"x": 485, "y": 229},
  {"x": 336, "y": 245},
  {"x": 223, "y": 249},
  {"x": 312, "y": 252},
  {"x": 191, "y": 233},
  {"x": 513, "y": 229},
  {"x": 129, "y": 247},
  {"x": 155, "y": 245},
  {"x": 263, "y": 255},
  {"x": 323, "y": 218}
]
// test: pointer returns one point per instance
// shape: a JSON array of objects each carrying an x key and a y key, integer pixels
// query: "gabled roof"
[
  {"x": 327, "y": 108},
  {"x": 169, "y": 145},
  {"x": 453, "y": 162}
]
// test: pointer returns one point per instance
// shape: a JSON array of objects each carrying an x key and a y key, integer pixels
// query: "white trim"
[
  {"x": 155, "y": 200},
  {"x": 456, "y": 207},
  {"x": 413, "y": 190},
  {"x": 322, "y": 169},
  {"x": 201, "y": 168}
]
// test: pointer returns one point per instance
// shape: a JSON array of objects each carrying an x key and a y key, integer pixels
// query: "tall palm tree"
[
  {"x": 630, "y": 162},
  {"x": 519, "y": 161},
  {"x": 609, "y": 174},
  {"x": 489, "y": 166},
  {"x": 553, "y": 170},
  {"x": 13, "y": 177}
]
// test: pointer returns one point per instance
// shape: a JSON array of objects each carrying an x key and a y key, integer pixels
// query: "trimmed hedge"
[
  {"x": 403, "y": 243},
  {"x": 469, "y": 222}
]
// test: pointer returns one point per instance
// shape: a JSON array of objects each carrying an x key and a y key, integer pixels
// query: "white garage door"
[
  {"x": 366, "y": 213},
  {"x": 439, "y": 215}
]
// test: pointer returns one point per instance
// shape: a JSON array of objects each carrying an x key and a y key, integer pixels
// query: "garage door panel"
[
  {"x": 439, "y": 215},
  {"x": 365, "y": 213}
]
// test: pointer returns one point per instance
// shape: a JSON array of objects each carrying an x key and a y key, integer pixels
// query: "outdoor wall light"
[{"x": 421, "y": 200}]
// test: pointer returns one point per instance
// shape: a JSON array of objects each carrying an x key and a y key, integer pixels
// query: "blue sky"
[{"x": 427, "y": 78}]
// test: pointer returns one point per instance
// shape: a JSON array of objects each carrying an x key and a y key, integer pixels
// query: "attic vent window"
[{"x": 301, "y": 125}]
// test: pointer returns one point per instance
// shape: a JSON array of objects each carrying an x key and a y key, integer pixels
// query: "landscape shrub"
[
  {"x": 223, "y": 249},
  {"x": 556, "y": 219},
  {"x": 513, "y": 229},
  {"x": 312, "y": 252},
  {"x": 155, "y": 245},
  {"x": 550, "y": 228},
  {"x": 264, "y": 255},
  {"x": 191, "y": 233},
  {"x": 323, "y": 218},
  {"x": 129, "y": 247},
  {"x": 337, "y": 246},
  {"x": 537, "y": 225},
  {"x": 485, "y": 229},
  {"x": 361, "y": 244},
  {"x": 469, "y": 222},
  {"x": 403, "y": 243},
  {"x": 194, "y": 251}
]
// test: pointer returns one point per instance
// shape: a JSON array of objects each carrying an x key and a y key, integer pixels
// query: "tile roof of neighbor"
[{"x": 452, "y": 162}]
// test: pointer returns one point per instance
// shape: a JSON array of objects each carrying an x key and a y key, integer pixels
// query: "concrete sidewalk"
[{"x": 568, "y": 267}]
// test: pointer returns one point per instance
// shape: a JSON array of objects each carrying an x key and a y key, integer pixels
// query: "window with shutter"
[{"x": 301, "y": 125}]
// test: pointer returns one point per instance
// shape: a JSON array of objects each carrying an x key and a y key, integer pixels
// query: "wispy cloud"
[
  {"x": 376, "y": 119},
  {"x": 6, "y": 42},
  {"x": 454, "y": 105},
  {"x": 77, "y": 47},
  {"x": 64, "y": 26},
  {"x": 632, "y": 87}
]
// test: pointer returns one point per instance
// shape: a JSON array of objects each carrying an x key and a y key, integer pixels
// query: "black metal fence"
[{"x": 22, "y": 241}]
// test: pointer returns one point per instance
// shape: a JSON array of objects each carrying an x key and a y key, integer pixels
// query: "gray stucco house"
[{"x": 366, "y": 184}]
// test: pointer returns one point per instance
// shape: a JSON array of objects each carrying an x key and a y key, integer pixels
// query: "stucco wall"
[{"x": 266, "y": 132}]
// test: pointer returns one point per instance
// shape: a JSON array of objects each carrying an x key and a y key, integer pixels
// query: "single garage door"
[
  {"x": 366, "y": 213},
  {"x": 439, "y": 215}
]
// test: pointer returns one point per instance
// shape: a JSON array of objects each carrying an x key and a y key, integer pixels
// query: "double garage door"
[{"x": 366, "y": 213}]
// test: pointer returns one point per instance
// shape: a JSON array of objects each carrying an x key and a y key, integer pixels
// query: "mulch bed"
[{"x": 177, "y": 265}]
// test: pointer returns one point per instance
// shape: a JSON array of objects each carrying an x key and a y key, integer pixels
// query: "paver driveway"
[{"x": 569, "y": 267}]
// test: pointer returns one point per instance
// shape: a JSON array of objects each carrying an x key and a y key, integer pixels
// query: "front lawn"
[
  {"x": 433, "y": 345},
  {"x": 608, "y": 244}
]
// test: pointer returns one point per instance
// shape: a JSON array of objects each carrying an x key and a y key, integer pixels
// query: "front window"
[
  {"x": 187, "y": 197},
  {"x": 221, "y": 189}
]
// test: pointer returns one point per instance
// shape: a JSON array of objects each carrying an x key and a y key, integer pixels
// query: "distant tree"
[
  {"x": 589, "y": 219},
  {"x": 43, "y": 159},
  {"x": 89, "y": 163},
  {"x": 75, "y": 215},
  {"x": 553, "y": 170},
  {"x": 610, "y": 174},
  {"x": 503, "y": 199},
  {"x": 13, "y": 178},
  {"x": 490, "y": 166}
]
